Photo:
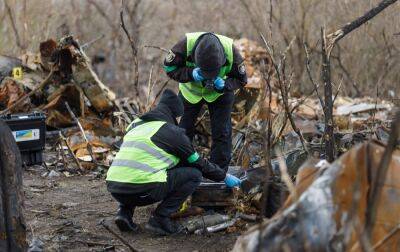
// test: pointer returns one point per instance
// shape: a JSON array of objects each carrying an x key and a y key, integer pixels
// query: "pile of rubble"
[
  {"x": 356, "y": 120},
  {"x": 88, "y": 120},
  {"x": 60, "y": 82}
]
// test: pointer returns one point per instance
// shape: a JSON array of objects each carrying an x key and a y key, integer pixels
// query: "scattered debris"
[{"x": 329, "y": 213}]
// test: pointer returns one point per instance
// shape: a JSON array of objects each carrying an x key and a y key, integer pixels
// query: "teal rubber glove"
[
  {"x": 231, "y": 181},
  {"x": 197, "y": 74},
  {"x": 219, "y": 83}
]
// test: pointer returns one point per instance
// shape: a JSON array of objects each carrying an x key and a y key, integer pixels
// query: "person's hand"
[
  {"x": 231, "y": 181},
  {"x": 197, "y": 74},
  {"x": 219, "y": 83}
]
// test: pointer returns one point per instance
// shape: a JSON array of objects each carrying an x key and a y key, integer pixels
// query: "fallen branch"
[
  {"x": 32, "y": 92},
  {"x": 125, "y": 242}
]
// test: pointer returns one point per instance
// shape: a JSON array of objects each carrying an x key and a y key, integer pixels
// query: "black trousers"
[
  {"x": 221, "y": 126},
  {"x": 181, "y": 182}
]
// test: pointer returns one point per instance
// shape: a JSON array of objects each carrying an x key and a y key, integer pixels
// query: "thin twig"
[
  {"x": 283, "y": 87},
  {"x": 386, "y": 238},
  {"x": 125, "y": 242},
  {"x": 337, "y": 91},
  {"x": 64, "y": 159},
  {"x": 88, "y": 145},
  {"x": 149, "y": 86},
  {"x": 285, "y": 176},
  {"x": 159, "y": 92},
  {"x": 71, "y": 152},
  {"x": 316, "y": 86},
  {"x": 13, "y": 25},
  {"x": 157, "y": 47},
  {"x": 133, "y": 48},
  {"x": 87, "y": 44}
]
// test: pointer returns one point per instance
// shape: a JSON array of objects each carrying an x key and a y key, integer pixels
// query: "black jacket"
[
  {"x": 173, "y": 140},
  {"x": 177, "y": 58}
]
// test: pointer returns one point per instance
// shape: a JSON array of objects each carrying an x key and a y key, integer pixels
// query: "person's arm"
[
  {"x": 237, "y": 77},
  {"x": 173, "y": 140},
  {"x": 175, "y": 63}
]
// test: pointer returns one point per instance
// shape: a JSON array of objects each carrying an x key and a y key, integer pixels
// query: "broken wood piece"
[
  {"x": 70, "y": 151},
  {"x": 88, "y": 145},
  {"x": 125, "y": 242}
]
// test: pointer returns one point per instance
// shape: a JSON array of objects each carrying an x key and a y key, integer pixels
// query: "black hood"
[
  {"x": 160, "y": 113},
  {"x": 168, "y": 109}
]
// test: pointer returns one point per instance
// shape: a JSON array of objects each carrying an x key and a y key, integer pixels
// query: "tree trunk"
[{"x": 12, "y": 224}]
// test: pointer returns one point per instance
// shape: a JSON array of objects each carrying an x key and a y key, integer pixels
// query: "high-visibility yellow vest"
[
  {"x": 139, "y": 160},
  {"x": 194, "y": 91}
]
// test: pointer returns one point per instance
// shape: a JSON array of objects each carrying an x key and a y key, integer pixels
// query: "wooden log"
[{"x": 12, "y": 224}]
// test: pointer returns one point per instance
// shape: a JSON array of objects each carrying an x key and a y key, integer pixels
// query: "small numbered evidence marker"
[{"x": 17, "y": 73}]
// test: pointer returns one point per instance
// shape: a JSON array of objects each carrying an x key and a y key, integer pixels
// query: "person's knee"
[{"x": 195, "y": 175}]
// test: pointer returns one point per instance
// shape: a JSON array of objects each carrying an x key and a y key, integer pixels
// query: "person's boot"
[
  {"x": 163, "y": 225},
  {"x": 124, "y": 221}
]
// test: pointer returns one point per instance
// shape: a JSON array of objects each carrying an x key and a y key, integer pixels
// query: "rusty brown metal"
[{"x": 331, "y": 210}]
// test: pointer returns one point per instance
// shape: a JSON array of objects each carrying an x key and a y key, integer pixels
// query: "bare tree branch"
[
  {"x": 134, "y": 50},
  {"x": 103, "y": 13},
  {"x": 157, "y": 47},
  {"x": 283, "y": 87},
  {"x": 334, "y": 37},
  {"x": 328, "y": 108},
  {"x": 14, "y": 25},
  {"x": 316, "y": 86}
]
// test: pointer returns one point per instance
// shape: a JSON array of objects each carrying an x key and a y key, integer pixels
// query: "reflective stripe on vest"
[
  {"x": 194, "y": 91},
  {"x": 139, "y": 160},
  {"x": 134, "y": 165},
  {"x": 155, "y": 153}
]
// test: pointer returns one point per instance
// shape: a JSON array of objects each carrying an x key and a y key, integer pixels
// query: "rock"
[
  {"x": 53, "y": 174},
  {"x": 36, "y": 245}
]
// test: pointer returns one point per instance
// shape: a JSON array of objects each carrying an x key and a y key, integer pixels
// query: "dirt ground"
[{"x": 64, "y": 213}]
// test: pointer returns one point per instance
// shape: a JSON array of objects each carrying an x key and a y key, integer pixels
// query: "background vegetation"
[{"x": 366, "y": 61}]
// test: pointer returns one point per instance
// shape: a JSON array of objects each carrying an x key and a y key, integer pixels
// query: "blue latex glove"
[
  {"x": 231, "y": 181},
  {"x": 219, "y": 83},
  {"x": 197, "y": 74}
]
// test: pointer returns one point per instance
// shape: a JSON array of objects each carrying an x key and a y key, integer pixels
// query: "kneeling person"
[{"x": 157, "y": 162}]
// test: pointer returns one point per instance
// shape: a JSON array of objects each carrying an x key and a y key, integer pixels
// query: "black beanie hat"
[
  {"x": 209, "y": 55},
  {"x": 172, "y": 101}
]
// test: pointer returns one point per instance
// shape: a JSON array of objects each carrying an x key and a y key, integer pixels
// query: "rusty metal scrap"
[{"x": 332, "y": 206}]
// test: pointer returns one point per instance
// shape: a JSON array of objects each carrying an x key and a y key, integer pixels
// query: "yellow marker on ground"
[{"x": 17, "y": 73}]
